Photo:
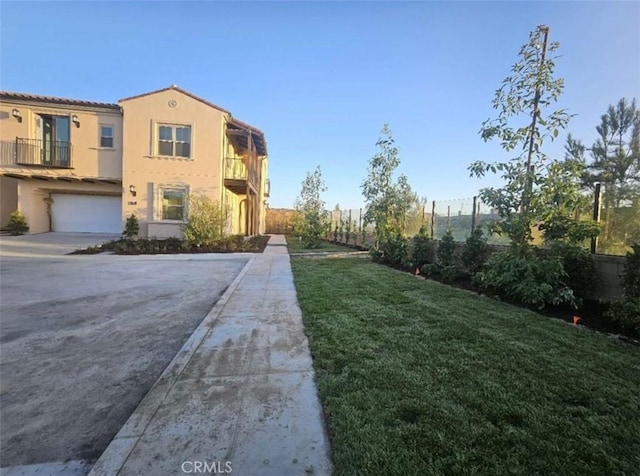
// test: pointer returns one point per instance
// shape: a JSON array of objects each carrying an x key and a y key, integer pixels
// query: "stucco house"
[{"x": 82, "y": 166}]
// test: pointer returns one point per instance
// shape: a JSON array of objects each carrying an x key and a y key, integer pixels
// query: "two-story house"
[{"x": 82, "y": 166}]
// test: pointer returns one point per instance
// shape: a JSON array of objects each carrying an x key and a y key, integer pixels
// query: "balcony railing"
[
  {"x": 40, "y": 153},
  {"x": 237, "y": 170}
]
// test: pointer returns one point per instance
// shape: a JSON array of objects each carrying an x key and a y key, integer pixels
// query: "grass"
[
  {"x": 419, "y": 378},
  {"x": 296, "y": 246}
]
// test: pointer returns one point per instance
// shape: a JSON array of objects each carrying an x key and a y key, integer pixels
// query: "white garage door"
[{"x": 86, "y": 213}]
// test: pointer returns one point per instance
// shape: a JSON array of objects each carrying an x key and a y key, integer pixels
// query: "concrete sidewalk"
[{"x": 239, "y": 397}]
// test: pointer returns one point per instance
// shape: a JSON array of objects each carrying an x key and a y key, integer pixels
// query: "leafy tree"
[
  {"x": 388, "y": 201},
  {"x": 564, "y": 208},
  {"x": 310, "y": 208},
  {"x": 523, "y": 124}
]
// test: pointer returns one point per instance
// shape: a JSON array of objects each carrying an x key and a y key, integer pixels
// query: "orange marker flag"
[{"x": 576, "y": 319}]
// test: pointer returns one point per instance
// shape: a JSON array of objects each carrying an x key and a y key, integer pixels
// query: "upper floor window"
[
  {"x": 106, "y": 135},
  {"x": 174, "y": 141}
]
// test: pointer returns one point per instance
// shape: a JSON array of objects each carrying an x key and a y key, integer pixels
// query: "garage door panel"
[{"x": 86, "y": 213}]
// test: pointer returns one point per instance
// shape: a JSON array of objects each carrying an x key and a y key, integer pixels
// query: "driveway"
[{"x": 84, "y": 338}]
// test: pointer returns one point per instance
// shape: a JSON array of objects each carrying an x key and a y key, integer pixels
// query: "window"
[
  {"x": 173, "y": 202},
  {"x": 106, "y": 135},
  {"x": 174, "y": 141}
]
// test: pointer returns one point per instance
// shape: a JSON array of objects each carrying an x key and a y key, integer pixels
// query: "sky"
[{"x": 322, "y": 78}]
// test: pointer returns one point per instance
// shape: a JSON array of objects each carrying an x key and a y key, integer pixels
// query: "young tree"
[
  {"x": 616, "y": 159},
  {"x": 523, "y": 124},
  {"x": 387, "y": 201},
  {"x": 310, "y": 208}
]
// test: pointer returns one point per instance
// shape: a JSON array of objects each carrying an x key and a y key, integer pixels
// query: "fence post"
[
  {"x": 433, "y": 217},
  {"x": 596, "y": 216},
  {"x": 473, "y": 215},
  {"x": 360, "y": 221}
]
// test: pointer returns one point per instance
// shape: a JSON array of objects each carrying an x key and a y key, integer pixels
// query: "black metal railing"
[
  {"x": 43, "y": 153},
  {"x": 238, "y": 170}
]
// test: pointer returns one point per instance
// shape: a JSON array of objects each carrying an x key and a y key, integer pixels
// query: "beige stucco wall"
[
  {"x": 8, "y": 198},
  {"x": 87, "y": 157},
  {"x": 148, "y": 172}
]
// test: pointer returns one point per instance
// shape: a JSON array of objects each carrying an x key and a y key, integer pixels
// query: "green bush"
[
  {"x": 17, "y": 223},
  {"x": 579, "y": 266},
  {"x": 448, "y": 264},
  {"x": 631, "y": 275},
  {"x": 422, "y": 248},
  {"x": 392, "y": 250},
  {"x": 475, "y": 252},
  {"x": 428, "y": 269},
  {"x": 446, "y": 250},
  {"x": 131, "y": 227},
  {"x": 522, "y": 275},
  {"x": 205, "y": 221},
  {"x": 626, "y": 313}
]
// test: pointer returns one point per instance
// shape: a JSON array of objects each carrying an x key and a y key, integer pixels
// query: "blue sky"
[{"x": 321, "y": 78}]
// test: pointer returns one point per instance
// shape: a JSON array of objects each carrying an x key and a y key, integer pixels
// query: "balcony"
[
  {"x": 238, "y": 177},
  {"x": 37, "y": 153}
]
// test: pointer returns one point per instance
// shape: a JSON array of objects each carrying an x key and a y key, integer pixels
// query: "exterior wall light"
[
  {"x": 132, "y": 190},
  {"x": 15, "y": 113},
  {"x": 75, "y": 120}
]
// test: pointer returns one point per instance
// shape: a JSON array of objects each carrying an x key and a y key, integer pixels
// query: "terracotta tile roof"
[
  {"x": 8, "y": 95},
  {"x": 176, "y": 88}
]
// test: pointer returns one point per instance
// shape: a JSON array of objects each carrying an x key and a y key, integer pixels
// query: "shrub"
[
  {"x": 475, "y": 252},
  {"x": 422, "y": 248},
  {"x": 631, "y": 274},
  {"x": 392, "y": 250},
  {"x": 17, "y": 223},
  {"x": 448, "y": 265},
  {"x": 579, "y": 266},
  {"x": 205, "y": 221},
  {"x": 521, "y": 275},
  {"x": 446, "y": 250},
  {"x": 626, "y": 313},
  {"x": 428, "y": 269},
  {"x": 131, "y": 227}
]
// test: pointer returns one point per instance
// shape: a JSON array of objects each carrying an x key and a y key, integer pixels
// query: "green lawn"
[
  {"x": 296, "y": 246},
  {"x": 419, "y": 378}
]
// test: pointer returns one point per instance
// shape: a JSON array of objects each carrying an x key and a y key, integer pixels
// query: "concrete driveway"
[{"x": 84, "y": 338}]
